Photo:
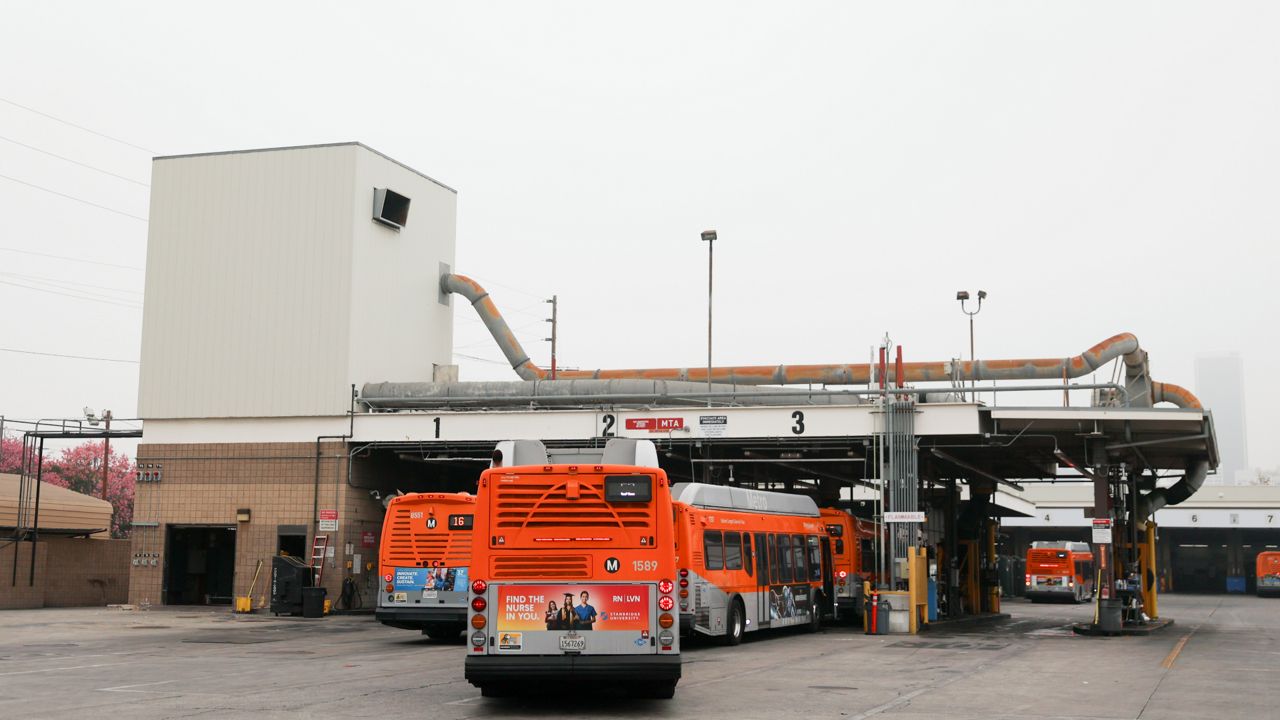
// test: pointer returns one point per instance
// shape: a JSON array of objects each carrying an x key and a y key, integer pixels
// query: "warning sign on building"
[
  {"x": 1102, "y": 531},
  {"x": 661, "y": 424},
  {"x": 328, "y": 520}
]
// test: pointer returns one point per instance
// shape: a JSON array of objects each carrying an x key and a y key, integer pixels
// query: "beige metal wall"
[{"x": 270, "y": 290}]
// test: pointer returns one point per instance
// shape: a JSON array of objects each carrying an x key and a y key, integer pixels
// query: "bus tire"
[
  {"x": 657, "y": 690},
  {"x": 734, "y": 624}
]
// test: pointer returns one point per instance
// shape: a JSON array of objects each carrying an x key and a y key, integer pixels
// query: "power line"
[
  {"x": 68, "y": 284},
  {"x": 77, "y": 199},
  {"x": 72, "y": 259},
  {"x": 481, "y": 359},
  {"x": 72, "y": 357},
  {"x": 76, "y": 162},
  {"x": 135, "y": 306},
  {"x": 79, "y": 127}
]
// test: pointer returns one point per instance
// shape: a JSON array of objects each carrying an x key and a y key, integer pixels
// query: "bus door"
[
  {"x": 828, "y": 578},
  {"x": 762, "y": 580}
]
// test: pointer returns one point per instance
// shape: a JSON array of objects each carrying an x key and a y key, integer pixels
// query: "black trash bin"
[
  {"x": 313, "y": 602},
  {"x": 1109, "y": 615}
]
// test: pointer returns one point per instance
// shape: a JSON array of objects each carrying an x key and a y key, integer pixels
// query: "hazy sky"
[{"x": 1096, "y": 167}]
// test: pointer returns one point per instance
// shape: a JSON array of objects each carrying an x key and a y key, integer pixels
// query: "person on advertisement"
[
  {"x": 568, "y": 616},
  {"x": 585, "y": 612},
  {"x": 552, "y": 616}
]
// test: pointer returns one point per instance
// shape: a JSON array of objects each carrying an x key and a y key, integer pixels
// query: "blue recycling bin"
[{"x": 1235, "y": 584}]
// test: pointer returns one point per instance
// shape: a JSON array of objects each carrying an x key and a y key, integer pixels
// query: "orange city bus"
[
  {"x": 572, "y": 583},
  {"x": 1060, "y": 570},
  {"x": 423, "y": 560},
  {"x": 749, "y": 560},
  {"x": 853, "y": 558},
  {"x": 1268, "y": 573}
]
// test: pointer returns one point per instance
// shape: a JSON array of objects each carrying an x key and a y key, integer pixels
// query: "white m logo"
[{"x": 611, "y": 565}]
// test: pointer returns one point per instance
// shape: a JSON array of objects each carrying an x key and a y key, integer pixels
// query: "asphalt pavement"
[{"x": 1218, "y": 660}]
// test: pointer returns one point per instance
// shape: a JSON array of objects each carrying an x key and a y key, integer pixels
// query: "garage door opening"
[{"x": 200, "y": 565}]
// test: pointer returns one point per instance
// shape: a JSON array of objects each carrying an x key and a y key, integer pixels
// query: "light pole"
[
  {"x": 106, "y": 444},
  {"x": 963, "y": 296},
  {"x": 709, "y": 237}
]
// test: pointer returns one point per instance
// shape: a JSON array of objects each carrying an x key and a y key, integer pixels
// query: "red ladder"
[{"x": 319, "y": 547}]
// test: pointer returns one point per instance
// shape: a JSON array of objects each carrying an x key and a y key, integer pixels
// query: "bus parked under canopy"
[
  {"x": 750, "y": 560},
  {"x": 424, "y": 560}
]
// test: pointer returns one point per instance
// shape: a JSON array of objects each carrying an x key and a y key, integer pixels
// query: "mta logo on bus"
[{"x": 611, "y": 565}]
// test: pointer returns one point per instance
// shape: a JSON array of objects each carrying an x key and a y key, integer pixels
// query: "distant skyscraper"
[{"x": 1220, "y": 387}]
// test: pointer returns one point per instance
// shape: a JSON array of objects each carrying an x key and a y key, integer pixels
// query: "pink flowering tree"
[{"x": 79, "y": 468}]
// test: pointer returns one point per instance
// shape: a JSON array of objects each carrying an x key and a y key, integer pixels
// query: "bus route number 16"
[{"x": 644, "y": 566}]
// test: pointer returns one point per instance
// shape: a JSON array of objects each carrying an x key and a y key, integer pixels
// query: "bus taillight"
[
  {"x": 684, "y": 572},
  {"x": 390, "y": 587},
  {"x": 666, "y": 603},
  {"x": 1028, "y": 579},
  {"x": 477, "y": 622},
  {"x": 665, "y": 620},
  {"x": 479, "y": 604},
  {"x": 666, "y": 586},
  {"x": 479, "y": 586},
  {"x": 684, "y": 582}
]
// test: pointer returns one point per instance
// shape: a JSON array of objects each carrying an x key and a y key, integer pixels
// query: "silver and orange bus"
[
  {"x": 853, "y": 558},
  {"x": 1268, "y": 571},
  {"x": 1059, "y": 570},
  {"x": 749, "y": 560},
  {"x": 573, "y": 577},
  {"x": 424, "y": 560}
]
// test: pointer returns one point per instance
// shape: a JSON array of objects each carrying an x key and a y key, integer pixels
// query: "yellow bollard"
[{"x": 1147, "y": 565}]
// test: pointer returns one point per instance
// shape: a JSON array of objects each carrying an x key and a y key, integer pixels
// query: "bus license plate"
[
  {"x": 570, "y": 643},
  {"x": 429, "y": 594}
]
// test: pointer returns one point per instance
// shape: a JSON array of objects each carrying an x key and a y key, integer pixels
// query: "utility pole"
[
  {"x": 106, "y": 451},
  {"x": 554, "y": 301},
  {"x": 709, "y": 237}
]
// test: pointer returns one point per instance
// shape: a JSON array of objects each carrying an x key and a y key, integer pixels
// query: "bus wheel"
[
  {"x": 733, "y": 626},
  {"x": 658, "y": 689}
]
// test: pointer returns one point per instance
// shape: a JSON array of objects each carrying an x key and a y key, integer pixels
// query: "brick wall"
[
  {"x": 205, "y": 484},
  {"x": 87, "y": 573},
  {"x": 70, "y": 572},
  {"x": 21, "y": 594}
]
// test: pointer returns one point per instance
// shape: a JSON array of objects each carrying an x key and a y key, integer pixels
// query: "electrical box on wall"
[{"x": 390, "y": 208}]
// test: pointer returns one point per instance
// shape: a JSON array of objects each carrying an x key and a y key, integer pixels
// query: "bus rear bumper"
[
  {"x": 418, "y": 618},
  {"x": 482, "y": 670},
  {"x": 1050, "y": 593}
]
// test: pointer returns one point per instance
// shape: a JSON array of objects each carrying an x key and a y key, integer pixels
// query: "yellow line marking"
[{"x": 1172, "y": 657}]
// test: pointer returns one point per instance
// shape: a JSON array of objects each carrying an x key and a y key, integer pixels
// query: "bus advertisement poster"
[
  {"x": 448, "y": 579},
  {"x": 788, "y": 601},
  {"x": 573, "y": 607}
]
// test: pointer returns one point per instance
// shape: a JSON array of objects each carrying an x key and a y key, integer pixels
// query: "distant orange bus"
[
  {"x": 1060, "y": 570},
  {"x": 853, "y": 558},
  {"x": 1268, "y": 573},
  {"x": 750, "y": 560},
  {"x": 573, "y": 580},
  {"x": 423, "y": 560}
]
